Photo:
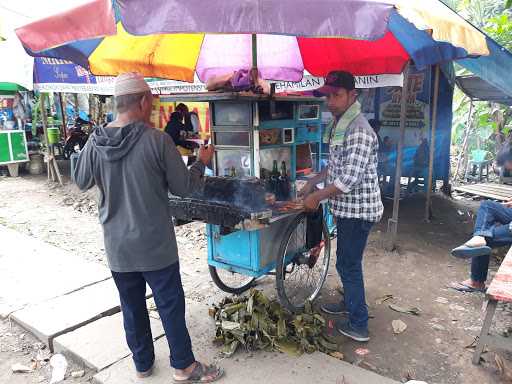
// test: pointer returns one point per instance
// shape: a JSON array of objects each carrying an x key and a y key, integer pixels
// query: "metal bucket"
[{"x": 36, "y": 165}]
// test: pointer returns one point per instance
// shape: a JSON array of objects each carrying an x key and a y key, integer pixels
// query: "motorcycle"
[{"x": 77, "y": 137}]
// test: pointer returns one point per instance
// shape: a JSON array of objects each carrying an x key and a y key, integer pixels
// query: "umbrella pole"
[
  {"x": 428, "y": 204},
  {"x": 254, "y": 69},
  {"x": 254, "y": 51},
  {"x": 393, "y": 221}
]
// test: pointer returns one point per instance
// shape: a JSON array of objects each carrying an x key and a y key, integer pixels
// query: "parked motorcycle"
[{"x": 77, "y": 137}]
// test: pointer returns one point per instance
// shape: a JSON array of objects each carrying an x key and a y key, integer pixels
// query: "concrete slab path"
[
  {"x": 66, "y": 313},
  {"x": 101, "y": 343},
  {"x": 33, "y": 271},
  {"x": 262, "y": 367}
]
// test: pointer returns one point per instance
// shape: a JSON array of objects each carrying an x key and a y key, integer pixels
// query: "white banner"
[
  {"x": 105, "y": 86},
  {"x": 310, "y": 83}
]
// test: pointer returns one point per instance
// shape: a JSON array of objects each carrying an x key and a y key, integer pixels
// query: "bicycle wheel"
[
  {"x": 301, "y": 272},
  {"x": 231, "y": 282}
]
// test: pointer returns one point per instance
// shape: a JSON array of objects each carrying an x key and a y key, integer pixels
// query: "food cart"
[
  {"x": 248, "y": 236},
  {"x": 13, "y": 144}
]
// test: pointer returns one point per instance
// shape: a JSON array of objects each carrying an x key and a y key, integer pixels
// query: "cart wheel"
[
  {"x": 301, "y": 272},
  {"x": 231, "y": 282}
]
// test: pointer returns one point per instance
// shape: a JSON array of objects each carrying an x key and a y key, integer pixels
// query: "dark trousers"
[
  {"x": 170, "y": 301},
  {"x": 492, "y": 222},
  {"x": 352, "y": 238}
]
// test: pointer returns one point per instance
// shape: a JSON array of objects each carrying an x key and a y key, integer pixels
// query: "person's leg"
[
  {"x": 170, "y": 301},
  {"x": 352, "y": 238},
  {"x": 490, "y": 213},
  {"x": 501, "y": 236},
  {"x": 132, "y": 292},
  {"x": 479, "y": 269}
]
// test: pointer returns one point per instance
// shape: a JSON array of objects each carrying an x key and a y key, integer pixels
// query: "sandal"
[
  {"x": 461, "y": 287},
  {"x": 202, "y": 374}
]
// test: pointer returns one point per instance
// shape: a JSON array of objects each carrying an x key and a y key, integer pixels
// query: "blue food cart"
[{"x": 246, "y": 241}]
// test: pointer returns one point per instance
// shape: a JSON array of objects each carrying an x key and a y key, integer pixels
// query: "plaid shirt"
[{"x": 353, "y": 170}]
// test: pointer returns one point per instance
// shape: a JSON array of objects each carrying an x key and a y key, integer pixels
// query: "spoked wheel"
[
  {"x": 301, "y": 272},
  {"x": 231, "y": 282}
]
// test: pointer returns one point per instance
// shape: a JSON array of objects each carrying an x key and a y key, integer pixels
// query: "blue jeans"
[
  {"x": 492, "y": 222},
  {"x": 170, "y": 301},
  {"x": 352, "y": 238}
]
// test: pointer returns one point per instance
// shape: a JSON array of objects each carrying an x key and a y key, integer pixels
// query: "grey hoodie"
[{"x": 134, "y": 168}]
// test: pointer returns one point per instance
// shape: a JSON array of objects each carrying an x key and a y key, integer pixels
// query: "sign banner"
[
  {"x": 418, "y": 109},
  {"x": 55, "y": 75},
  {"x": 310, "y": 83}
]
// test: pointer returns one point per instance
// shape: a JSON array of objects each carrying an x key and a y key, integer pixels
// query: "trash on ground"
[
  {"x": 438, "y": 327},
  {"x": 442, "y": 300},
  {"x": 20, "y": 368},
  {"x": 473, "y": 344},
  {"x": 59, "y": 366},
  {"x": 409, "y": 374},
  {"x": 398, "y": 326},
  {"x": 503, "y": 368},
  {"x": 362, "y": 351},
  {"x": 409, "y": 310},
  {"x": 77, "y": 374},
  {"x": 258, "y": 323},
  {"x": 383, "y": 299}
]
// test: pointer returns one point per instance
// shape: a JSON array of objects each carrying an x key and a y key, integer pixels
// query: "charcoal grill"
[{"x": 216, "y": 213}]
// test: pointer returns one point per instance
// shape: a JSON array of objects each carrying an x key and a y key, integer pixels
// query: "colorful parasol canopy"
[{"x": 175, "y": 39}]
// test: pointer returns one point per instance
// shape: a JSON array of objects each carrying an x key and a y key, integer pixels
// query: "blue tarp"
[{"x": 495, "y": 69}]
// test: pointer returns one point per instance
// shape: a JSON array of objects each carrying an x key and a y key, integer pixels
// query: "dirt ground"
[{"x": 433, "y": 348}]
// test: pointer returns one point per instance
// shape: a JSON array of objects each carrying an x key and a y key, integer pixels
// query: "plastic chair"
[{"x": 476, "y": 165}]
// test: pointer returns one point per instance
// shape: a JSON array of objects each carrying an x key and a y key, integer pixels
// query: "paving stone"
[
  {"x": 66, "y": 313},
  {"x": 101, "y": 343},
  {"x": 262, "y": 367},
  {"x": 33, "y": 271}
]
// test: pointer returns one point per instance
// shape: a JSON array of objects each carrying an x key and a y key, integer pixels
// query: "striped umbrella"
[{"x": 175, "y": 39}]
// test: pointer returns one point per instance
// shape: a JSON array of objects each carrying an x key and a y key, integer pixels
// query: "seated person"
[
  {"x": 493, "y": 228},
  {"x": 185, "y": 117},
  {"x": 175, "y": 127}
]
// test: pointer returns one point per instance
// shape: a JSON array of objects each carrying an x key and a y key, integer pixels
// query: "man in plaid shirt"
[{"x": 352, "y": 187}]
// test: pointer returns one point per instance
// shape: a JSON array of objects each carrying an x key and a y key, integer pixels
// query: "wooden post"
[
  {"x": 467, "y": 132},
  {"x": 63, "y": 116},
  {"x": 393, "y": 222},
  {"x": 45, "y": 132},
  {"x": 52, "y": 167},
  {"x": 428, "y": 204}
]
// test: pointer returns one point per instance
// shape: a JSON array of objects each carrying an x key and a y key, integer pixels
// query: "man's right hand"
[{"x": 205, "y": 155}]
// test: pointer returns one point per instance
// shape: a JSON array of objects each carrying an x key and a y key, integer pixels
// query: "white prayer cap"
[{"x": 130, "y": 83}]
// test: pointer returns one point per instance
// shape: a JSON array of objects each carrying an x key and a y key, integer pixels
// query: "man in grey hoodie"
[{"x": 134, "y": 167}]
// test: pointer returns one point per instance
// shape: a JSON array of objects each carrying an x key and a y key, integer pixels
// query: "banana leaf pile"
[{"x": 255, "y": 322}]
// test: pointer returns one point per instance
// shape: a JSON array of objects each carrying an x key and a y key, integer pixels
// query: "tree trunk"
[{"x": 463, "y": 157}]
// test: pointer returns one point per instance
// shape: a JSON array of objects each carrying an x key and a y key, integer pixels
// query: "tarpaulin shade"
[
  {"x": 165, "y": 39},
  {"x": 478, "y": 89},
  {"x": 493, "y": 69}
]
